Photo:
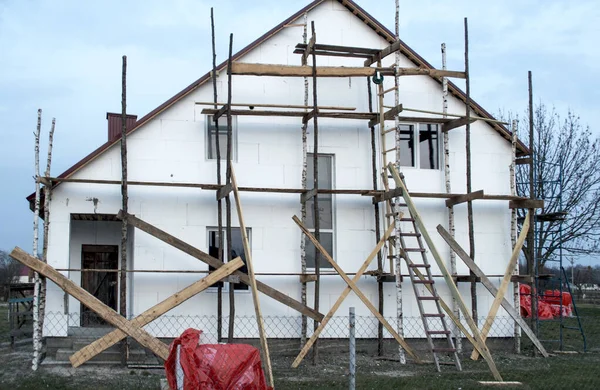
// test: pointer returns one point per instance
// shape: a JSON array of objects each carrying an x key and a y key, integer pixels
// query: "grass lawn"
[{"x": 560, "y": 371}]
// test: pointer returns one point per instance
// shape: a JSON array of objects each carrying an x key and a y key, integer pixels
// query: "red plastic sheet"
[
  {"x": 549, "y": 305},
  {"x": 214, "y": 366}
]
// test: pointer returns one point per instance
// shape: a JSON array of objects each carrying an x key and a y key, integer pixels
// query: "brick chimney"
[{"x": 114, "y": 124}]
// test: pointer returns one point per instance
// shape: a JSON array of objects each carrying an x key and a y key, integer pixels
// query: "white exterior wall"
[{"x": 172, "y": 147}]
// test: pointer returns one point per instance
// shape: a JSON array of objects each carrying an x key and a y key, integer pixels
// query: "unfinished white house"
[{"x": 176, "y": 143}]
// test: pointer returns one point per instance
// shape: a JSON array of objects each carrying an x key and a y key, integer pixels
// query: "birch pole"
[
  {"x": 396, "y": 210},
  {"x": 47, "y": 198},
  {"x": 513, "y": 232},
  {"x": 125, "y": 201},
  {"x": 37, "y": 336},
  {"x": 303, "y": 203},
  {"x": 451, "y": 227}
]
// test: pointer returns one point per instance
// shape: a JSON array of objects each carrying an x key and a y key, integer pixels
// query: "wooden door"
[{"x": 102, "y": 285}]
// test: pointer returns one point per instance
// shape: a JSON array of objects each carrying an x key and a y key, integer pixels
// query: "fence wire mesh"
[{"x": 94, "y": 346}]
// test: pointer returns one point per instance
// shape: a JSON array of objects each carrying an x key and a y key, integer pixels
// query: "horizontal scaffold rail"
[
  {"x": 336, "y": 51},
  {"x": 215, "y": 187},
  {"x": 243, "y": 69}
]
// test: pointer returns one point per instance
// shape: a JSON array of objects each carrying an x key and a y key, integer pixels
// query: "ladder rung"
[
  {"x": 397, "y": 204},
  {"x": 407, "y": 219},
  {"x": 393, "y": 214},
  {"x": 438, "y": 332},
  {"x": 414, "y": 250},
  {"x": 411, "y": 234},
  {"x": 419, "y": 281},
  {"x": 387, "y": 90},
  {"x": 449, "y": 350},
  {"x": 384, "y": 132},
  {"x": 429, "y": 298},
  {"x": 438, "y": 315},
  {"x": 390, "y": 150},
  {"x": 419, "y": 266}
]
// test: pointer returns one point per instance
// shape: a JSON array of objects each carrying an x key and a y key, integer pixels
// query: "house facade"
[{"x": 176, "y": 143}]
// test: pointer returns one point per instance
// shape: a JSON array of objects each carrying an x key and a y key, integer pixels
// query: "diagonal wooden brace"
[
  {"x": 216, "y": 263},
  {"x": 351, "y": 286},
  {"x": 491, "y": 288},
  {"x": 88, "y": 352},
  {"x": 105, "y": 312},
  {"x": 510, "y": 269}
]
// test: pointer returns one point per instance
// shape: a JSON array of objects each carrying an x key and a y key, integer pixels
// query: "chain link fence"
[{"x": 90, "y": 344}]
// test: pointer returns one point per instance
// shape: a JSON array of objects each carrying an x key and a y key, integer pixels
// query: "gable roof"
[{"x": 359, "y": 12}]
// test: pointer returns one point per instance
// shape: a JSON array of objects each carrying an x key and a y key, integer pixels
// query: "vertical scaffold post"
[
  {"x": 352, "y": 343},
  {"x": 316, "y": 214},
  {"x": 124, "y": 199},
  {"x": 304, "y": 187},
  {"x": 219, "y": 200},
  {"x": 230, "y": 332},
  {"x": 531, "y": 264},
  {"x": 469, "y": 176},
  {"x": 513, "y": 232}
]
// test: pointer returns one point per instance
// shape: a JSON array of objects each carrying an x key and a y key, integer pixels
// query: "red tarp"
[
  {"x": 214, "y": 366},
  {"x": 549, "y": 305}
]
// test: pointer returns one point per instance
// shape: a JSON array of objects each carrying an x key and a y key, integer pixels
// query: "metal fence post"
[{"x": 352, "y": 374}]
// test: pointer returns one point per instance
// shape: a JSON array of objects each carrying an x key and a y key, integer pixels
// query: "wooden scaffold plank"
[
  {"x": 259, "y": 319},
  {"x": 95, "y": 348},
  {"x": 106, "y": 313}
]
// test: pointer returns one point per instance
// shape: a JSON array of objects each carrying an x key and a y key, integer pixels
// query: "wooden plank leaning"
[
  {"x": 510, "y": 268},
  {"x": 105, "y": 312},
  {"x": 491, "y": 288},
  {"x": 351, "y": 287},
  {"x": 216, "y": 263},
  {"x": 259, "y": 319},
  {"x": 447, "y": 277},
  {"x": 88, "y": 352}
]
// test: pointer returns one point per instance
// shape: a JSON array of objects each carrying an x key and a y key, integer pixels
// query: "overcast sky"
[{"x": 65, "y": 57}]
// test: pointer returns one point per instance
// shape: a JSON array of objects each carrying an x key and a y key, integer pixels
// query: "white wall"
[{"x": 172, "y": 147}]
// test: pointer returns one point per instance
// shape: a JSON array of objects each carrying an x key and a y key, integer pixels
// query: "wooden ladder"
[{"x": 420, "y": 275}]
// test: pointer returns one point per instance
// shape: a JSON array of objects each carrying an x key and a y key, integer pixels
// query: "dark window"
[
  {"x": 428, "y": 147},
  {"x": 325, "y": 202},
  {"x": 407, "y": 145},
  {"x": 237, "y": 249},
  {"x": 211, "y": 138}
]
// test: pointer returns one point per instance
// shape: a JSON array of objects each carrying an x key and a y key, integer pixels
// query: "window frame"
[
  {"x": 222, "y": 125},
  {"x": 209, "y": 230},
  {"x": 417, "y": 149},
  {"x": 332, "y": 230}
]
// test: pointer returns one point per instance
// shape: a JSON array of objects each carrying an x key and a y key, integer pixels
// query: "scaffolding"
[{"x": 391, "y": 193}]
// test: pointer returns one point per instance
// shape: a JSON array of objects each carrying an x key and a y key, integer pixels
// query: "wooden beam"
[
  {"x": 257, "y": 312},
  {"x": 224, "y": 191},
  {"x": 308, "y": 49},
  {"x": 351, "y": 286},
  {"x": 464, "y": 198},
  {"x": 240, "y": 68},
  {"x": 526, "y": 204},
  {"x": 216, "y": 263},
  {"x": 265, "y": 105},
  {"x": 523, "y": 160},
  {"x": 388, "y": 115},
  {"x": 447, "y": 276},
  {"x": 341, "y": 298},
  {"x": 490, "y": 287},
  {"x": 297, "y": 114},
  {"x": 306, "y": 278},
  {"x": 500, "y": 384},
  {"x": 391, "y": 194},
  {"x": 460, "y": 122},
  {"x": 309, "y": 115},
  {"x": 220, "y": 112},
  {"x": 106, "y": 313},
  {"x": 510, "y": 268},
  {"x": 394, "y": 47},
  {"x": 341, "y": 49},
  {"x": 308, "y": 195},
  {"x": 95, "y": 348}
]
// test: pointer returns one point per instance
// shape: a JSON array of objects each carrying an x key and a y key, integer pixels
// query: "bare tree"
[
  {"x": 567, "y": 178},
  {"x": 9, "y": 272}
]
